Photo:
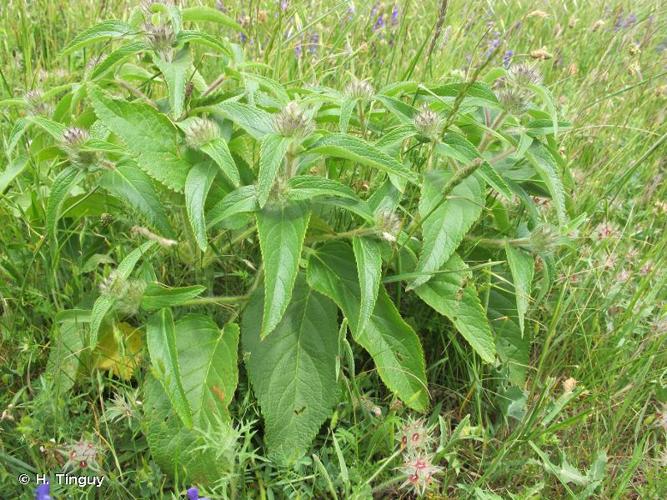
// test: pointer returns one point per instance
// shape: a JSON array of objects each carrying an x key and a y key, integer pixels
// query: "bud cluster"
[
  {"x": 292, "y": 121},
  {"x": 359, "y": 89},
  {"x": 126, "y": 292},
  {"x": 388, "y": 224},
  {"x": 73, "y": 140},
  {"x": 416, "y": 440},
  {"x": 428, "y": 123},
  {"x": 201, "y": 132}
]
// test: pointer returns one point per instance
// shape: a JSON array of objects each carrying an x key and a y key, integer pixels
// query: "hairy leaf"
[
  {"x": 547, "y": 169},
  {"x": 197, "y": 185},
  {"x": 255, "y": 121},
  {"x": 281, "y": 229},
  {"x": 306, "y": 187},
  {"x": 293, "y": 370},
  {"x": 368, "y": 257},
  {"x": 522, "y": 266},
  {"x": 208, "y": 14},
  {"x": 219, "y": 152},
  {"x": 101, "y": 31},
  {"x": 176, "y": 73},
  {"x": 61, "y": 187},
  {"x": 271, "y": 154},
  {"x": 241, "y": 200},
  {"x": 157, "y": 296}
]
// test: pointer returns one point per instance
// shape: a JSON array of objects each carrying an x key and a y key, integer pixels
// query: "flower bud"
[
  {"x": 359, "y": 89},
  {"x": 427, "y": 122},
  {"x": 524, "y": 74},
  {"x": 201, "y": 131},
  {"x": 73, "y": 141},
  {"x": 292, "y": 121}
]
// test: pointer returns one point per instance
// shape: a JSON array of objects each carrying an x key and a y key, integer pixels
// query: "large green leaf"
[
  {"x": 176, "y": 72},
  {"x": 390, "y": 341},
  {"x": 293, "y": 371},
  {"x": 255, "y": 121},
  {"x": 522, "y": 267},
  {"x": 101, "y": 31},
  {"x": 219, "y": 152},
  {"x": 146, "y": 133},
  {"x": 208, "y": 14},
  {"x": 197, "y": 185},
  {"x": 546, "y": 167},
  {"x": 133, "y": 186},
  {"x": 452, "y": 293},
  {"x": 161, "y": 340},
  {"x": 271, "y": 154},
  {"x": 306, "y": 187},
  {"x": 116, "y": 57},
  {"x": 62, "y": 185},
  {"x": 368, "y": 256},
  {"x": 360, "y": 151},
  {"x": 157, "y": 296},
  {"x": 447, "y": 222},
  {"x": 281, "y": 229},
  {"x": 241, "y": 200}
]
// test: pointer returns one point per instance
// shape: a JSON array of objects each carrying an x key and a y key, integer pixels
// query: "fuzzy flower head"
[
  {"x": 292, "y": 121},
  {"x": 127, "y": 293},
  {"x": 419, "y": 471},
  {"x": 161, "y": 38},
  {"x": 82, "y": 455},
  {"x": 513, "y": 100},
  {"x": 388, "y": 224},
  {"x": 415, "y": 436},
  {"x": 524, "y": 74},
  {"x": 359, "y": 89},
  {"x": 35, "y": 101},
  {"x": 72, "y": 142},
  {"x": 427, "y": 122},
  {"x": 201, "y": 132}
]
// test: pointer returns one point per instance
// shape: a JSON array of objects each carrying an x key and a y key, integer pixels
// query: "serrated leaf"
[
  {"x": 197, "y": 185},
  {"x": 192, "y": 36},
  {"x": 104, "y": 303},
  {"x": 306, "y": 187},
  {"x": 446, "y": 226},
  {"x": 61, "y": 187},
  {"x": 53, "y": 128},
  {"x": 218, "y": 151},
  {"x": 12, "y": 171},
  {"x": 158, "y": 296},
  {"x": 395, "y": 137},
  {"x": 198, "y": 14},
  {"x": 116, "y": 57},
  {"x": 522, "y": 267},
  {"x": 293, "y": 370},
  {"x": 355, "y": 149},
  {"x": 271, "y": 153},
  {"x": 513, "y": 348},
  {"x": 255, "y": 121},
  {"x": 547, "y": 169},
  {"x": 452, "y": 294},
  {"x": 161, "y": 340},
  {"x": 65, "y": 356},
  {"x": 391, "y": 342},
  {"x": 368, "y": 256},
  {"x": 101, "y": 31},
  {"x": 146, "y": 133},
  {"x": 281, "y": 230},
  {"x": 176, "y": 72},
  {"x": 346, "y": 109},
  {"x": 241, "y": 200},
  {"x": 133, "y": 186}
]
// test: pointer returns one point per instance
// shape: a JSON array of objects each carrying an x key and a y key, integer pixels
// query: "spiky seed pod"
[
  {"x": 524, "y": 74},
  {"x": 359, "y": 89},
  {"x": 73, "y": 140},
  {"x": 388, "y": 224},
  {"x": 513, "y": 100},
  {"x": 427, "y": 122},
  {"x": 35, "y": 101},
  {"x": 292, "y": 121},
  {"x": 161, "y": 38},
  {"x": 420, "y": 471},
  {"x": 201, "y": 131}
]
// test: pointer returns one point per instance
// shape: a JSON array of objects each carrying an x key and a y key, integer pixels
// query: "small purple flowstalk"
[
  {"x": 283, "y": 5},
  {"x": 314, "y": 43},
  {"x": 379, "y": 24},
  {"x": 507, "y": 58},
  {"x": 298, "y": 51},
  {"x": 394, "y": 15},
  {"x": 193, "y": 494},
  {"x": 43, "y": 492}
]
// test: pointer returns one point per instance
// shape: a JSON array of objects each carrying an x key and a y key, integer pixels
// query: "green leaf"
[
  {"x": 176, "y": 73},
  {"x": 522, "y": 266},
  {"x": 64, "y": 356},
  {"x": 101, "y": 31},
  {"x": 271, "y": 153},
  {"x": 446, "y": 226},
  {"x": 218, "y": 151},
  {"x": 547, "y": 169},
  {"x": 281, "y": 229},
  {"x": 346, "y": 109},
  {"x": 157, "y": 296},
  {"x": 161, "y": 340},
  {"x": 255, "y": 121},
  {"x": 513, "y": 348},
  {"x": 133, "y": 186},
  {"x": 61, "y": 187},
  {"x": 306, "y": 187},
  {"x": 12, "y": 171},
  {"x": 367, "y": 254},
  {"x": 293, "y": 371},
  {"x": 452, "y": 293},
  {"x": 104, "y": 303},
  {"x": 395, "y": 137},
  {"x": 199, "y": 14},
  {"x": 54, "y": 129},
  {"x": 146, "y": 133},
  {"x": 192, "y": 36},
  {"x": 197, "y": 185},
  {"x": 357, "y": 150},
  {"x": 116, "y": 57},
  {"x": 390, "y": 341},
  {"x": 241, "y": 200}
]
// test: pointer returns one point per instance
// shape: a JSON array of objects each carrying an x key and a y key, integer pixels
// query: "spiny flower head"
[
  {"x": 292, "y": 121},
  {"x": 427, "y": 122},
  {"x": 388, "y": 224},
  {"x": 35, "y": 101},
  {"x": 359, "y": 89},
  {"x": 72, "y": 142},
  {"x": 83, "y": 455},
  {"x": 524, "y": 74},
  {"x": 201, "y": 131},
  {"x": 416, "y": 436},
  {"x": 127, "y": 293},
  {"x": 513, "y": 100},
  {"x": 420, "y": 471},
  {"x": 161, "y": 38}
]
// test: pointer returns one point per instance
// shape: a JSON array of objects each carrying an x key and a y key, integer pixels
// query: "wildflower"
[
  {"x": 609, "y": 262},
  {"x": 419, "y": 470},
  {"x": 35, "y": 101},
  {"x": 193, "y": 494},
  {"x": 493, "y": 44},
  {"x": 379, "y": 23},
  {"x": 298, "y": 51},
  {"x": 314, "y": 43},
  {"x": 427, "y": 122},
  {"x": 646, "y": 269},
  {"x": 161, "y": 38},
  {"x": 201, "y": 132},
  {"x": 524, "y": 74},
  {"x": 284, "y": 5},
  {"x": 82, "y": 454},
  {"x": 569, "y": 384},
  {"x": 415, "y": 436},
  {"x": 73, "y": 141},
  {"x": 542, "y": 54},
  {"x": 388, "y": 224},
  {"x": 43, "y": 491},
  {"x": 513, "y": 100},
  {"x": 394, "y": 15},
  {"x": 623, "y": 276},
  {"x": 507, "y": 58},
  {"x": 292, "y": 121},
  {"x": 606, "y": 230},
  {"x": 359, "y": 89}
]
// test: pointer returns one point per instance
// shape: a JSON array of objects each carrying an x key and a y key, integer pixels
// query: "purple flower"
[
  {"x": 43, "y": 492},
  {"x": 379, "y": 24},
  {"x": 193, "y": 494},
  {"x": 298, "y": 51},
  {"x": 507, "y": 58},
  {"x": 314, "y": 43},
  {"x": 394, "y": 15},
  {"x": 243, "y": 38},
  {"x": 283, "y": 5}
]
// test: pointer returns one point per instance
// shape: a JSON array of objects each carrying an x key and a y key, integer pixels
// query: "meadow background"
[{"x": 599, "y": 337}]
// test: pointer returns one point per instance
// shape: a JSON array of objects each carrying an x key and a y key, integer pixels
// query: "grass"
[{"x": 603, "y": 324}]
